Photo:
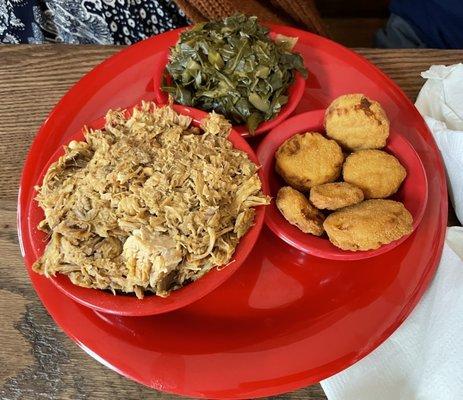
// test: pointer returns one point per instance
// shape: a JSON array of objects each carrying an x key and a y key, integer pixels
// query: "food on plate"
[
  {"x": 368, "y": 225},
  {"x": 309, "y": 159},
  {"x": 148, "y": 203},
  {"x": 357, "y": 122},
  {"x": 234, "y": 68},
  {"x": 353, "y": 216},
  {"x": 331, "y": 196},
  {"x": 376, "y": 172},
  {"x": 298, "y": 211}
]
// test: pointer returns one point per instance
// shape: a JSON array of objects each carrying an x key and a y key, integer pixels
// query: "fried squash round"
[
  {"x": 332, "y": 196},
  {"x": 298, "y": 211},
  {"x": 376, "y": 172},
  {"x": 368, "y": 225},
  {"x": 309, "y": 159},
  {"x": 357, "y": 122}
]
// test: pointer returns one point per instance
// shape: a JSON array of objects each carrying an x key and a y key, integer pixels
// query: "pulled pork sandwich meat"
[{"x": 147, "y": 204}]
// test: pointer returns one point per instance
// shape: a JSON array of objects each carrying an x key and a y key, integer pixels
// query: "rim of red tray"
[
  {"x": 413, "y": 191},
  {"x": 295, "y": 93},
  {"x": 301, "y": 380},
  {"x": 127, "y": 305}
]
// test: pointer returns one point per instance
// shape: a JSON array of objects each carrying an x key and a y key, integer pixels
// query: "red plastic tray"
[{"x": 285, "y": 319}]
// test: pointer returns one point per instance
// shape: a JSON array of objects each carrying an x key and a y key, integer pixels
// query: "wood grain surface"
[{"x": 38, "y": 361}]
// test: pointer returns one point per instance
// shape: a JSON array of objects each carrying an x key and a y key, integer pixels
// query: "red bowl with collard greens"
[{"x": 235, "y": 67}]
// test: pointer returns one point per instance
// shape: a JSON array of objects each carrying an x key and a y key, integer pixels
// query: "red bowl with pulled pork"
[{"x": 151, "y": 304}]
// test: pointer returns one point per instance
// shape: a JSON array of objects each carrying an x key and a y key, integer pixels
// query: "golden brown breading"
[
  {"x": 368, "y": 225},
  {"x": 357, "y": 122},
  {"x": 376, "y": 172},
  {"x": 331, "y": 196},
  {"x": 298, "y": 211},
  {"x": 309, "y": 159}
]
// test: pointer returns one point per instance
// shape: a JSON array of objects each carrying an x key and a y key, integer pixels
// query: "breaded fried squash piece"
[
  {"x": 332, "y": 196},
  {"x": 298, "y": 211},
  {"x": 309, "y": 159},
  {"x": 368, "y": 225},
  {"x": 357, "y": 122},
  {"x": 376, "y": 172}
]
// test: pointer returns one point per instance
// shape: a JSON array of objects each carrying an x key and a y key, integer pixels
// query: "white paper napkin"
[
  {"x": 423, "y": 358},
  {"x": 441, "y": 97},
  {"x": 450, "y": 144},
  {"x": 440, "y": 101}
]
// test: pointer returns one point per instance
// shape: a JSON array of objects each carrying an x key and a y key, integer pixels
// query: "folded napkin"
[
  {"x": 440, "y": 101},
  {"x": 441, "y": 97},
  {"x": 423, "y": 358},
  {"x": 450, "y": 143}
]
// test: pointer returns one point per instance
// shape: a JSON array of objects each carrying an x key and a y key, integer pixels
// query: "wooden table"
[{"x": 38, "y": 360}]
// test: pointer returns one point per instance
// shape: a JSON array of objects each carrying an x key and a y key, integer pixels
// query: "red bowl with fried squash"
[
  {"x": 129, "y": 305},
  {"x": 413, "y": 192},
  {"x": 295, "y": 92}
]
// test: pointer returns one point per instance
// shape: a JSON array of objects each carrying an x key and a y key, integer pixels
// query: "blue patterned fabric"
[{"x": 86, "y": 21}]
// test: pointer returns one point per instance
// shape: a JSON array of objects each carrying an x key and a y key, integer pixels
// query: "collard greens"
[{"x": 234, "y": 68}]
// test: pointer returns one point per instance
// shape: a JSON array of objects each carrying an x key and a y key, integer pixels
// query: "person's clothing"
[
  {"x": 299, "y": 13},
  {"x": 436, "y": 24},
  {"x": 397, "y": 34},
  {"x": 86, "y": 21},
  {"x": 128, "y": 21}
]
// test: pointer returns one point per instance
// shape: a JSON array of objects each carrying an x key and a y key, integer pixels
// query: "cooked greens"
[{"x": 234, "y": 68}]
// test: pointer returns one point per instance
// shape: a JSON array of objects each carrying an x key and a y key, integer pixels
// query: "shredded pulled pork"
[{"x": 149, "y": 203}]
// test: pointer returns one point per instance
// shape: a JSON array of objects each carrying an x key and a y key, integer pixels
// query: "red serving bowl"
[
  {"x": 413, "y": 192},
  {"x": 129, "y": 305},
  {"x": 295, "y": 92}
]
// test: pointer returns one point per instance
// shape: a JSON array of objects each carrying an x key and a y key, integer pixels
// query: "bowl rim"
[
  {"x": 295, "y": 93},
  {"x": 129, "y": 305},
  {"x": 314, "y": 121}
]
